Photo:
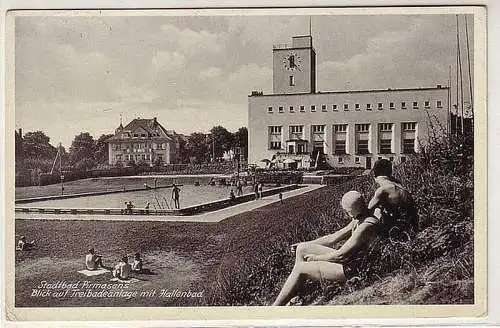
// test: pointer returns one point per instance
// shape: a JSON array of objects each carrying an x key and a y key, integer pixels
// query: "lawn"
[{"x": 184, "y": 256}]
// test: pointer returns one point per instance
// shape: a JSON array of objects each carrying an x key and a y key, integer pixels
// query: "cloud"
[
  {"x": 190, "y": 42},
  {"x": 210, "y": 72},
  {"x": 398, "y": 58},
  {"x": 168, "y": 61}
]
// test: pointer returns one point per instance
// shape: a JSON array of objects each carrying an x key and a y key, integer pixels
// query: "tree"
[
  {"x": 82, "y": 147},
  {"x": 222, "y": 141},
  {"x": 241, "y": 140},
  {"x": 198, "y": 147},
  {"x": 36, "y": 145},
  {"x": 102, "y": 149}
]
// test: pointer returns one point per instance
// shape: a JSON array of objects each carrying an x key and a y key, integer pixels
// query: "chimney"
[{"x": 439, "y": 86}]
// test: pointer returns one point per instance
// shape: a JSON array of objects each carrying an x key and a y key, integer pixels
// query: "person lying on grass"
[
  {"x": 23, "y": 245},
  {"x": 318, "y": 260},
  {"x": 123, "y": 269},
  {"x": 391, "y": 202},
  {"x": 137, "y": 264},
  {"x": 93, "y": 261}
]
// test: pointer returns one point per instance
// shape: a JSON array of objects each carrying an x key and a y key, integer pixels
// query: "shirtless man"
[
  {"x": 391, "y": 201},
  {"x": 318, "y": 260}
]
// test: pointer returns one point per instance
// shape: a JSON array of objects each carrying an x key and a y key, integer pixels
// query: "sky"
[{"x": 80, "y": 74}]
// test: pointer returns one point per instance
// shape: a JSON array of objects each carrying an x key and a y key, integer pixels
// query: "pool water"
[{"x": 158, "y": 198}]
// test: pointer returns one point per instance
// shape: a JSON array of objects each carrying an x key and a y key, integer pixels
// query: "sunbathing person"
[
  {"x": 319, "y": 260},
  {"x": 93, "y": 261},
  {"x": 137, "y": 264},
  {"x": 123, "y": 269},
  {"x": 23, "y": 245},
  {"x": 391, "y": 202}
]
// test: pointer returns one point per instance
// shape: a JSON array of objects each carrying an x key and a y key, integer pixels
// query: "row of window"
[
  {"x": 334, "y": 107},
  {"x": 385, "y": 144},
  {"x": 139, "y": 135},
  {"x": 146, "y": 157},
  {"x": 338, "y": 128},
  {"x": 139, "y": 146}
]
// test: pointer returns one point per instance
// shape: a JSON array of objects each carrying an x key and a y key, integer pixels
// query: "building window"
[
  {"x": 403, "y": 159},
  {"x": 313, "y": 108},
  {"x": 334, "y": 107},
  {"x": 302, "y": 109},
  {"x": 340, "y": 135},
  {"x": 362, "y": 146},
  {"x": 292, "y": 81},
  {"x": 296, "y": 132},
  {"x": 427, "y": 104},
  {"x": 368, "y": 106},
  {"x": 408, "y": 146},
  {"x": 409, "y": 126},
  {"x": 340, "y": 128},
  {"x": 403, "y": 105},
  {"x": 362, "y": 127},
  {"x": 385, "y": 138},
  {"x": 380, "y": 106},
  {"x": 439, "y": 104},
  {"x": 270, "y": 109},
  {"x": 346, "y": 106},
  {"x": 356, "y": 106},
  {"x": 415, "y": 104},
  {"x": 291, "y": 109},
  {"x": 356, "y": 160},
  {"x": 318, "y": 137},
  {"x": 136, "y": 135},
  {"x": 143, "y": 135},
  {"x": 408, "y": 131},
  {"x": 275, "y": 137},
  {"x": 323, "y": 108},
  {"x": 362, "y": 137},
  {"x": 391, "y": 105},
  {"x": 340, "y": 160},
  {"x": 385, "y": 146},
  {"x": 318, "y": 129},
  {"x": 340, "y": 147}
]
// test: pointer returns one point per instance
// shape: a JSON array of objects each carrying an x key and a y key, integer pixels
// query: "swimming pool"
[{"x": 158, "y": 198}]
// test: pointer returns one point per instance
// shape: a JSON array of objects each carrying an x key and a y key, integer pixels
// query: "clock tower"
[{"x": 294, "y": 66}]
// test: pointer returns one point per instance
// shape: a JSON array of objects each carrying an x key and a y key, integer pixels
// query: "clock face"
[{"x": 292, "y": 61}]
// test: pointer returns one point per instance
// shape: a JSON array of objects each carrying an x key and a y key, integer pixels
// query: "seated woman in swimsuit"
[{"x": 318, "y": 260}]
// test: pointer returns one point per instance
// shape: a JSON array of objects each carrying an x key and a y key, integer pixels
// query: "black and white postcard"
[{"x": 246, "y": 163}]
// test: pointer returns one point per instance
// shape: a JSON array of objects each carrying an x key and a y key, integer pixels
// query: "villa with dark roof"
[{"x": 143, "y": 141}]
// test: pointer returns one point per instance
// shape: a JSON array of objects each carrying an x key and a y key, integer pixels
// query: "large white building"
[{"x": 294, "y": 124}]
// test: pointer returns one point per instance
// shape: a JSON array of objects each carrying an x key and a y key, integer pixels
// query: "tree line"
[{"x": 33, "y": 150}]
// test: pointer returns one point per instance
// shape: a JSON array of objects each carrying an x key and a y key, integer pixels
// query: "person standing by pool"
[
  {"x": 256, "y": 190},
  {"x": 175, "y": 196},
  {"x": 239, "y": 187}
]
